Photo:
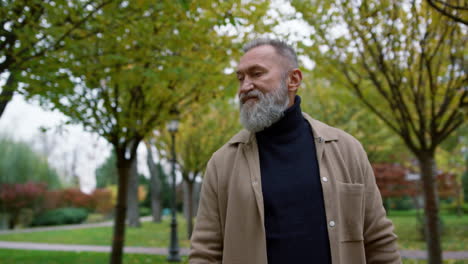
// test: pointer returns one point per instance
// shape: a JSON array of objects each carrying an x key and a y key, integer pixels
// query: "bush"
[
  {"x": 145, "y": 211},
  {"x": 61, "y": 216},
  {"x": 452, "y": 208},
  {"x": 14, "y": 198},
  {"x": 70, "y": 197},
  {"x": 400, "y": 203},
  {"x": 103, "y": 201}
]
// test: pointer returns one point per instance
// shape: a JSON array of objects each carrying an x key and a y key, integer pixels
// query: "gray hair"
[{"x": 281, "y": 47}]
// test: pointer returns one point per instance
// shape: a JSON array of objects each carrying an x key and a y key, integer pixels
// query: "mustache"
[{"x": 253, "y": 93}]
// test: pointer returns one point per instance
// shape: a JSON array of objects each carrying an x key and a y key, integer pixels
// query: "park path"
[
  {"x": 66, "y": 227},
  {"x": 408, "y": 254}
]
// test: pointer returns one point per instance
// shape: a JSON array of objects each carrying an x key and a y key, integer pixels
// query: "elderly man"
[{"x": 288, "y": 188}]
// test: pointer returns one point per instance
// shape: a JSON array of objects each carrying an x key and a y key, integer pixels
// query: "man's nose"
[{"x": 246, "y": 85}]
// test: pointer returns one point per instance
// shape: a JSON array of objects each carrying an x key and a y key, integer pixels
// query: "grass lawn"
[
  {"x": 8, "y": 256},
  {"x": 157, "y": 235},
  {"x": 149, "y": 235},
  {"x": 413, "y": 261},
  {"x": 455, "y": 237}
]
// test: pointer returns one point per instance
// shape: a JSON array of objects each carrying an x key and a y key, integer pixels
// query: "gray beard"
[{"x": 268, "y": 109}]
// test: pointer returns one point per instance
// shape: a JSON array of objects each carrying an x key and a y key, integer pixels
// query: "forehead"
[{"x": 261, "y": 56}]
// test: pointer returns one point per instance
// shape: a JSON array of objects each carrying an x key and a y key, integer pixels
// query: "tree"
[
  {"x": 404, "y": 61},
  {"x": 30, "y": 31},
  {"x": 451, "y": 9},
  {"x": 127, "y": 84},
  {"x": 337, "y": 108},
  {"x": 106, "y": 174},
  {"x": 20, "y": 164},
  {"x": 133, "y": 213},
  {"x": 157, "y": 182},
  {"x": 202, "y": 131}
]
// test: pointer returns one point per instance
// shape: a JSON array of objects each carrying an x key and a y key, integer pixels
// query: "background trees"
[
  {"x": 30, "y": 31},
  {"x": 203, "y": 130},
  {"x": 404, "y": 61},
  {"x": 132, "y": 72},
  {"x": 20, "y": 164}
]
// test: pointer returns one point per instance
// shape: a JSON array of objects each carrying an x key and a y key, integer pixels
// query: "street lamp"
[{"x": 174, "y": 246}]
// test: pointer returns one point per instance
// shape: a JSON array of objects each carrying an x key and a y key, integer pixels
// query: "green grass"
[
  {"x": 149, "y": 235},
  {"x": 413, "y": 261},
  {"x": 8, "y": 256},
  {"x": 157, "y": 234},
  {"x": 455, "y": 237}
]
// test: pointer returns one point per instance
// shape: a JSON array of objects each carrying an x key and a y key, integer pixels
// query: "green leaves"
[
  {"x": 400, "y": 60},
  {"x": 20, "y": 164}
]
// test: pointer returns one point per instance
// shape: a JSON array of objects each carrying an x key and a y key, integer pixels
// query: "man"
[{"x": 288, "y": 188}]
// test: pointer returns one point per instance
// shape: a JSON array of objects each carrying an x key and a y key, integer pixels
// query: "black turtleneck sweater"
[{"x": 295, "y": 222}]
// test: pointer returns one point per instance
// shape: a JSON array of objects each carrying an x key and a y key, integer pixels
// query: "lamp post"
[{"x": 174, "y": 246}]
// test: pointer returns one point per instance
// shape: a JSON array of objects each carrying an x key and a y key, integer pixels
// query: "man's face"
[
  {"x": 259, "y": 69},
  {"x": 263, "y": 91}
]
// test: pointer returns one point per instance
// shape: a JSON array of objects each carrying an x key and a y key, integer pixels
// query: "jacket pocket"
[{"x": 351, "y": 196}]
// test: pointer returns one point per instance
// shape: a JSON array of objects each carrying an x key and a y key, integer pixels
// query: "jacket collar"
[{"x": 320, "y": 130}]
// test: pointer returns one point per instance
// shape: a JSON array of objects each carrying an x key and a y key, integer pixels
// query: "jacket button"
[
  {"x": 332, "y": 223},
  {"x": 325, "y": 179},
  {"x": 320, "y": 139},
  {"x": 254, "y": 183}
]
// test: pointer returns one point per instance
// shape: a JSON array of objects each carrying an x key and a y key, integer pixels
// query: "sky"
[{"x": 22, "y": 121}]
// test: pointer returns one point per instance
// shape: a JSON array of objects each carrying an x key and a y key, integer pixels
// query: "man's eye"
[
  {"x": 257, "y": 74},
  {"x": 240, "y": 78}
]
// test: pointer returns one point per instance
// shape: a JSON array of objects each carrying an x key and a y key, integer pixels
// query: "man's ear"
[{"x": 294, "y": 80}]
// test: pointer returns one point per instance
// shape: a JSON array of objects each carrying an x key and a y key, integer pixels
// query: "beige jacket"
[{"x": 229, "y": 227}]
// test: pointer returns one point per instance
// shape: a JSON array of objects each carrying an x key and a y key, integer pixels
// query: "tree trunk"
[
  {"x": 13, "y": 220},
  {"x": 7, "y": 93},
  {"x": 155, "y": 192},
  {"x": 431, "y": 208},
  {"x": 188, "y": 206},
  {"x": 123, "y": 167},
  {"x": 459, "y": 195},
  {"x": 155, "y": 186},
  {"x": 133, "y": 215}
]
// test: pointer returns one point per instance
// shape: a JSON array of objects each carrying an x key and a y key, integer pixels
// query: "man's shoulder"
[
  {"x": 231, "y": 146},
  {"x": 331, "y": 134}
]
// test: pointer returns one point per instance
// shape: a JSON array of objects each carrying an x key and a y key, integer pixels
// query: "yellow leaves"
[{"x": 142, "y": 193}]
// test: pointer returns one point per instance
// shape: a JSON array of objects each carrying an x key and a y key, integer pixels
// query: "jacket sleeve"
[
  {"x": 379, "y": 238},
  {"x": 207, "y": 239}
]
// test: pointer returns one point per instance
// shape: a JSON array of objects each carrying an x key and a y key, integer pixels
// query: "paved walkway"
[
  {"x": 89, "y": 248},
  {"x": 409, "y": 254},
  {"x": 66, "y": 227}
]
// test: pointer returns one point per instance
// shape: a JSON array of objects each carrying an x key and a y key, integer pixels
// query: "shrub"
[
  {"x": 452, "y": 208},
  {"x": 145, "y": 211},
  {"x": 103, "y": 201},
  {"x": 76, "y": 198},
  {"x": 71, "y": 197},
  {"x": 61, "y": 216},
  {"x": 17, "y": 197}
]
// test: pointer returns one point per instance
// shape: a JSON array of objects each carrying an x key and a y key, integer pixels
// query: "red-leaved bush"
[
  {"x": 71, "y": 197},
  {"x": 103, "y": 201},
  {"x": 16, "y": 197},
  {"x": 392, "y": 181}
]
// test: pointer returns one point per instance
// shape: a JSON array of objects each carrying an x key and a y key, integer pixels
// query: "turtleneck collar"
[{"x": 291, "y": 121}]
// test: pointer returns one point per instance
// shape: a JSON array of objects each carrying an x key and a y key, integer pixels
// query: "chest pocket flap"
[{"x": 351, "y": 213}]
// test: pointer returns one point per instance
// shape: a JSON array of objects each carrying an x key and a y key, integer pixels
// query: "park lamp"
[
  {"x": 173, "y": 126},
  {"x": 174, "y": 256}
]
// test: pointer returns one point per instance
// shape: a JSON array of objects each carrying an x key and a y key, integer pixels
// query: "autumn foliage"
[
  {"x": 393, "y": 181},
  {"x": 34, "y": 196},
  {"x": 100, "y": 200},
  {"x": 15, "y": 197}
]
